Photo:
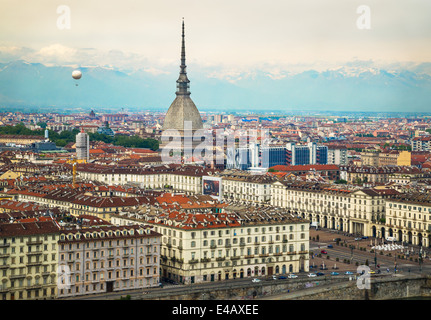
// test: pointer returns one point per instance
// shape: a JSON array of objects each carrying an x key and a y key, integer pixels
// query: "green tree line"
[
  {"x": 63, "y": 138},
  {"x": 126, "y": 141}
]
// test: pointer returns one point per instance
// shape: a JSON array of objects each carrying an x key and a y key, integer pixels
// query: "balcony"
[
  {"x": 220, "y": 258},
  {"x": 193, "y": 261},
  {"x": 205, "y": 260},
  {"x": 34, "y": 242},
  {"x": 4, "y": 289},
  {"x": 34, "y": 253}
]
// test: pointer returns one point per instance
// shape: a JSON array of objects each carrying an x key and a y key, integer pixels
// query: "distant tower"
[
  {"x": 183, "y": 109},
  {"x": 46, "y": 134},
  {"x": 82, "y": 147}
]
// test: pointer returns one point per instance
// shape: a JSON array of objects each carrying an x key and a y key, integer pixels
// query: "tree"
[
  {"x": 340, "y": 181},
  {"x": 42, "y": 125}
]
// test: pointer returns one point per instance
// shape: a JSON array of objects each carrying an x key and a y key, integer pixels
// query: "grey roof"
[{"x": 181, "y": 110}]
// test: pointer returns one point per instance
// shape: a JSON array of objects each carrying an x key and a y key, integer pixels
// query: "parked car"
[
  {"x": 255, "y": 280},
  {"x": 319, "y": 274},
  {"x": 323, "y": 252},
  {"x": 364, "y": 237},
  {"x": 312, "y": 275},
  {"x": 357, "y": 239},
  {"x": 348, "y": 272},
  {"x": 292, "y": 276},
  {"x": 330, "y": 246},
  {"x": 333, "y": 273},
  {"x": 337, "y": 239},
  {"x": 282, "y": 277}
]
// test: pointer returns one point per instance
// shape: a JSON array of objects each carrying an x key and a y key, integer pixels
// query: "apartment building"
[
  {"x": 337, "y": 155},
  {"x": 107, "y": 259},
  {"x": 306, "y": 154},
  {"x": 28, "y": 260},
  {"x": 365, "y": 174},
  {"x": 246, "y": 187},
  {"x": 236, "y": 243},
  {"x": 370, "y": 157},
  {"x": 421, "y": 143},
  {"x": 394, "y": 158},
  {"x": 184, "y": 178}
]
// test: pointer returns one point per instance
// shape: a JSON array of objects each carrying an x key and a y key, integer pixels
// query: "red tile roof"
[{"x": 317, "y": 167}]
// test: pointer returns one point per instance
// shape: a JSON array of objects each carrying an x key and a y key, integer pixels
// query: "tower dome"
[{"x": 182, "y": 109}]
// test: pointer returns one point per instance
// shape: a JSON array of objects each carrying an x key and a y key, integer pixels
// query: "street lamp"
[
  {"x": 420, "y": 258},
  {"x": 395, "y": 265},
  {"x": 375, "y": 258}
]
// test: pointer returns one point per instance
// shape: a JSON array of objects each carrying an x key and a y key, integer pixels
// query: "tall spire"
[{"x": 183, "y": 81}]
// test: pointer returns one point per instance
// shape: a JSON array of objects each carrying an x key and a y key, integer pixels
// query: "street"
[{"x": 349, "y": 253}]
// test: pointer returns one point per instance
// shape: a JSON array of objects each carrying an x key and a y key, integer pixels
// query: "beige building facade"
[
  {"x": 28, "y": 260},
  {"x": 108, "y": 259},
  {"x": 195, "y": 255}
]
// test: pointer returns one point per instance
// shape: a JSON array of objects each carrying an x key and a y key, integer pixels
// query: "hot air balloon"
[{"x": 76, "y": 74}]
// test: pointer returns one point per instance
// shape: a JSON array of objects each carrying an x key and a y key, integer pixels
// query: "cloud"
[{"x": 56, "y": 54}]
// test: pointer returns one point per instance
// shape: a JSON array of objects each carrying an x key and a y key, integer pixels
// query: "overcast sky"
[{"x": 239, "y": 33}]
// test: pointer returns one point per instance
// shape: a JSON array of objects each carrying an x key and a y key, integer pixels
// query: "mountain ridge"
[{"x": 363, "y": 88}]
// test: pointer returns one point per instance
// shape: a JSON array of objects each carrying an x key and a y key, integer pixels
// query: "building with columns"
[
  {"x": 408, "y": 219},
  {"x": 342, "y": 208}
]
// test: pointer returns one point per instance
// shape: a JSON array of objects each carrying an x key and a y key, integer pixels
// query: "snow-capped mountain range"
[{"x": 347, "y": 88}]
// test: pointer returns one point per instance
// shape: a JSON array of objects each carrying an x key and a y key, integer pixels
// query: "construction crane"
[
  {"x": 74, "y": 163},
  {"x": 74, "y": 174}
]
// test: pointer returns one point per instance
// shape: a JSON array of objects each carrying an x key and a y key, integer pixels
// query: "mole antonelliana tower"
[{"x": 183, "y": 113}]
